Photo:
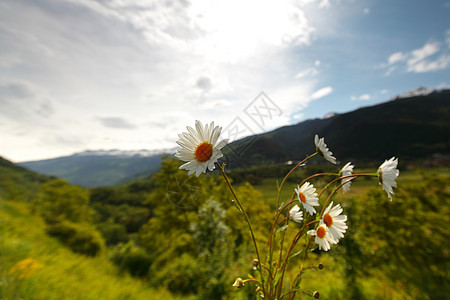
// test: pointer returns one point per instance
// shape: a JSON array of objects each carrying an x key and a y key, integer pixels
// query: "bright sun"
[{"x": 235, "y": 30}]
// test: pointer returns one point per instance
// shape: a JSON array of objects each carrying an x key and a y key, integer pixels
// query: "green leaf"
[
  {"x": 277, "y": 278},
  {"x": 237, "y": 206}
]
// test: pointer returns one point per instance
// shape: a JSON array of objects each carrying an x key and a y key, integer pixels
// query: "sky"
[{"x": 129, "y": 75}]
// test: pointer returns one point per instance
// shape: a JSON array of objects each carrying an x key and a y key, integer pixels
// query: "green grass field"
[
  {"x": 268, "y": 186},
  {"x": 36, "y": 266}
]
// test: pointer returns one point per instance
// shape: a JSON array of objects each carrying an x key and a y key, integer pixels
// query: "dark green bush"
[
  {"x": 113, "y": 233},
  {"x": 131, "y": 258},
  {"x": 78, "y": 237}
]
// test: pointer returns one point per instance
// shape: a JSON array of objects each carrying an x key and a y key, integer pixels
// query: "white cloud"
[
  {"x": 363, "y": 97},
  {"x": 307, "y": 72},
  {"x": 428, "y": 58},
  {"x": 366, "y": 10},
  {"x": 322, "y": 92},
  {"x": 396, "y": 57},
  {"x": 419, "y": 55},
  {"x": 149, "y": 67}
]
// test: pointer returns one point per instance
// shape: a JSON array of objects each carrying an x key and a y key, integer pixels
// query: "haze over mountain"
[
  {"x": 102, "y": 167},
  {"x": 413, "y": 127}
]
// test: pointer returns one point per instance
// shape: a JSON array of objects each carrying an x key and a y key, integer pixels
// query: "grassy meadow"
[{"x": 51, "y": 271}]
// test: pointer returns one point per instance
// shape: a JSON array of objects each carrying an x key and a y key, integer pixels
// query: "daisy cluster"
[{"x": 201, "y": 148}]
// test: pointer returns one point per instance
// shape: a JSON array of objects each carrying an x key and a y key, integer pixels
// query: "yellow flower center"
[
  {"x": 328, "y": 220},
  {"x": 203, "y": 152},
  {"x": 302, "y": 197},
  {"x": 321, "y": 232}
]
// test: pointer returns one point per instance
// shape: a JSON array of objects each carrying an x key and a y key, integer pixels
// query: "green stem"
[{"x": 247, "y": 220}]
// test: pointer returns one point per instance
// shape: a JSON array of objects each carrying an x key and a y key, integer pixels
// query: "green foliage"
[
  {"x": 401, "y": 242},
  {"x": 407, "y": 237},
  {"x": 18, "y": 183},
  {"x": 58, "y": 200},
  {"x": 113, "y": 233},
  {"x": 120, "y": 211},
  {"x": 60, "y": 273},
  {"x": 180, "y": 275},
  {"x": 210, "y": 235},
  {"x": 129, "y": 257},
  {"x": 81, "y": 238}
]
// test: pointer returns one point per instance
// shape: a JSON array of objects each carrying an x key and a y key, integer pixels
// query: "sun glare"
[{"x": 235, "y": 30}]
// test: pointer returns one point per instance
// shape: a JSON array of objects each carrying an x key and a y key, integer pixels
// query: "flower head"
[
  {"x": 308, "y": 197},
  {"x": 334, "y": 221},
  {"x": 296, "y": 214},
  {"x": 323, "y": 237},
  {"x": 387, "y": 174},
  {"x": 323, "y": 150},
  {"x": 346, "y": 171},
  {"x": 238, "y": 283},
  {"x": 200, "y": 147}
]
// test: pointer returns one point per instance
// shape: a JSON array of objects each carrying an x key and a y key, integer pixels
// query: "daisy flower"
[
  {"x": 200, "y": 147},
  {"x": 323, "y": 237},
  {"x": 346, "y": 171},
  {"x": 387, "y": 174},
  {"x": 323, "y": 150},
  {"x": 307, "y": 196},
  {"x": 296, "y": 214},
  {"x": 334, "y": 221}
]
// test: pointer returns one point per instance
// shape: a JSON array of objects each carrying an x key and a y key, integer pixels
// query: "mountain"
[
  {"x": 102, "y": 167},
  {"x": 414, "y": 126}
]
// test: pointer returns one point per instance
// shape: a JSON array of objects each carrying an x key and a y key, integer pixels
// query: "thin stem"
[
  {"x": 288, "y": 174},
  {"x": 294, "y": 242},
  {"x": 349, "y": 177},
  {"x": 270, "y": 239},
  {"x": 282, "y": 239},
  {"x": 246, "y": 220}
]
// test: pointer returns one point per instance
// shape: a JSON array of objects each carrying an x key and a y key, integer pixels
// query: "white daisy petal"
[
  {"x": 322, "y": 237},
  {"x": 334, "y": 222},
  {"x": 346, "y": 171},
  {"x": 296, "y": 214},
  {"x": 200, "y": 147},
  {"x": 307, "y": 197},
  {"x": 323, "y": 150},
  {"x": 387, "y": 174}
]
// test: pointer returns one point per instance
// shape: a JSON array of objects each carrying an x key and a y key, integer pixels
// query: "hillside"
[
  {"x": 18, "y": 183},
  {"x": 34, "y": 265},
  {"x": 413, "y": 128}
]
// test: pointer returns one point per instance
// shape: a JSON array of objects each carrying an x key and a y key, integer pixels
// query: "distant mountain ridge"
[
  {"x": 101, "y": 167},
  {"x": 125, "y": 153},
  {"x": 411, "y": 128}
]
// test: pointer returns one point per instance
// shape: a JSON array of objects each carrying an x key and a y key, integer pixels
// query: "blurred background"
[{"x": 93, "y": 95}]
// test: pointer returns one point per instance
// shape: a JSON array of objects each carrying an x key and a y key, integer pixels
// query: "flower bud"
[
  {"x": 255, "y": 264},
  {"x": 316, "y": 295},
  {"x": 238, "y": 283}
]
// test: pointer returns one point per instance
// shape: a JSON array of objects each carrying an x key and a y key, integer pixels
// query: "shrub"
[
  {"x": 79, "y": 238},
  {"x": 129, "y": 257},
  {"x": 113, "y": 233}
]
